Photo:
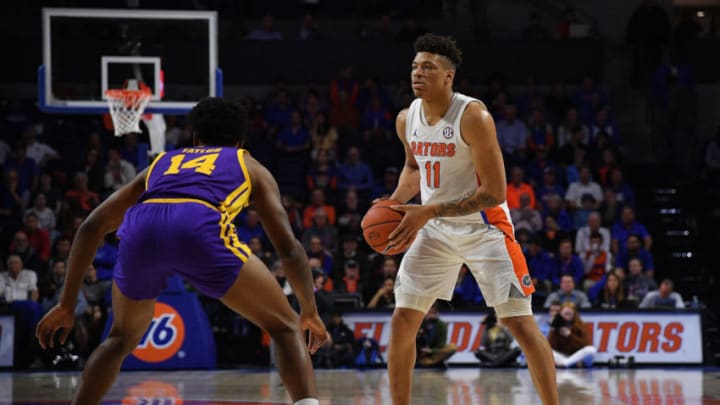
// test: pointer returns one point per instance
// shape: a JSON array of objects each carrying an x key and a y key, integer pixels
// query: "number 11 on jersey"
[{"x": 432, "y": 174}]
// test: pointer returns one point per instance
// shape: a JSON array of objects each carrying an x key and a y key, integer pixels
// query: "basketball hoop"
[{"x": 127, "y": 105}]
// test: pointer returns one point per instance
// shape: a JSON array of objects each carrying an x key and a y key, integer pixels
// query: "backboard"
[{"x": 87, "y": 51}]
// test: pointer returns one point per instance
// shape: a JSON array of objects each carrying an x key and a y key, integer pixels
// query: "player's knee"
[
  {"x": 283, "y": 327},
  {"x": 125, "y": 342},
  {"x": 406, "y": 321}
]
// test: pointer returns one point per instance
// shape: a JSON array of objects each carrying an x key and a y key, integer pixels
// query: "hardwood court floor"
[{"x": 350, "y": 387}]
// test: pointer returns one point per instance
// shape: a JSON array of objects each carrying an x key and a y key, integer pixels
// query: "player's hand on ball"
[
  {"x": 318, "y": 334},
  {"x": 416, "y": 216},
  {"x": 57, "y": 318}
]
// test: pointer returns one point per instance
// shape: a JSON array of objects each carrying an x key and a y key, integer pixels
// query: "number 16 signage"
[{"x": 166, "y": 345}]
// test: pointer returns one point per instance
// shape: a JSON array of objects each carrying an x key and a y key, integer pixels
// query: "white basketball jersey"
[{"x": 446, "y": 167}]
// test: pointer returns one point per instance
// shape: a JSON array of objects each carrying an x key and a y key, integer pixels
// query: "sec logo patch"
[
  {"x": 447, "y": 132},
  {"x": 164, "y": 337}
]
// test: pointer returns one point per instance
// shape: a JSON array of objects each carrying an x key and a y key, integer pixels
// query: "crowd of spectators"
[{"x": 333, "y": 149}]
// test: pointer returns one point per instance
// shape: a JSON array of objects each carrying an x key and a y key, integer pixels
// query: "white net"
[{"x": 126, "y": 107}]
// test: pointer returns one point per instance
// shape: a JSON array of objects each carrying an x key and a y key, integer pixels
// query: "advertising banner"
[{"x": 651, "y": 337}]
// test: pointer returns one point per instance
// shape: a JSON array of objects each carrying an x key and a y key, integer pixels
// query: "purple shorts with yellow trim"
[{"x": 189, "y": 239}]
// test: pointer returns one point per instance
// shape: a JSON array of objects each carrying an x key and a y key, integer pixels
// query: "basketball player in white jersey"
[{"x": 453, "y": 158}]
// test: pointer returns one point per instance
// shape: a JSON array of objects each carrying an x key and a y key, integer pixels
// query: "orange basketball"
[{"x": 378, "y": 223}]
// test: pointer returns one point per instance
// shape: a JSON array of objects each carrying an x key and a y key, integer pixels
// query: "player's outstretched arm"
[
  {"x": 409, "y": 180},
  {"x": 277, "y": 226},
  {"x": 104, "y": 219},
  {"x": 478, "y": 131}
]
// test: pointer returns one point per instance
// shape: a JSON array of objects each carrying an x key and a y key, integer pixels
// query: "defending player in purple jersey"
[{"x": 176, "y": 218}]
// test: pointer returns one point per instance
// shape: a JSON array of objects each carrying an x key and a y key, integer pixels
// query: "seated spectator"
[
  {"x": 350, "y": 282},
  {"x": 293, "y": 140},
  {"x": 637, "y": 284},
  {"x": 663, "y": 298},
  {"x": 258, "y": 249},
  {"x": 516, "y": 187},
  {"x": 251, "y": 227},
  {"x": 589, "y": 99},
  {"x": 612, "y": 295},
  {"x": 541, "y": 132},
  {"x": 278, "y": 272},
  {"x": 526, "y": 217},
  {"x": 118, "y": 171},
  {"x": 13, "y": 201},
  {"x": 573, "y": 154},
  {"x": 596, "y": 261},
  {"x": 25, "y": 168},
  {"x": 579, "y": 159},
  {"x": 588, "y": 205},
  {"x": 610, "y": 211},
  {"x": 571, "y": 125},
  {"x": 568, "y": 293},
  {"x": 278, "y": 111},
  {"x": 80, "y": 198},
  {"x": 570, "y": 340},
  {"x": 38, "y": 238},
  {"x": 343, "y": 114},
  {"x": 61, "y": 250},
  {"x": 347, "y": 83},
  {"x": 38, "y": 151},
  {"x": 384, "y": 298},
  {"x": 292, "y": 208},
  {"x": 627, "y": 226},
  {"x": 89, "y": 326},
  {"x": 537, "y": 166},
  {"x": 602, "y": 123},
  {"x": 326, "y": 232},
  {"x": 323, "y": 299},
  {"x": 53, "y": 194},
  {"x": 323, "y": 137},
  {"x": 557, "y": 212},
  {"x": 265, "y": 30},
  {"x": 20, "y": 246},
  {"x": 95, "y": 172},
  {"x": 318, "y": 251},
  {"x": 317, "y": 201},
  {"x": 582, "y": 238},
  {"x": 338, "y": 350},
  {"x": 553, "y": 311},
  {"x": 512, "y": 135},
  {"x": 376, "y": 117},
  {"x": 568, "y": 263},
  {"x": 355, "y": 173},
  {"x": 323, "y": 163},
  {"x": 496, "y": 349},
  {"x": 431, "y": 343},
  {"x": 387, "y": 186},
  {"x": 625, "y": 194},
  {"x": 350, "y": 214},
  {"x": 542, "y": 266},
  {"x": 634, "y": 250},
  {"x": 606, "y": 164},
  {"x": 584, "y": 185},
  {"x": 45, "y": 216},
  {"x": 18, "y": 283},
  {"x": 350, "y": 251},
  {"x": 548, "y": 187}
]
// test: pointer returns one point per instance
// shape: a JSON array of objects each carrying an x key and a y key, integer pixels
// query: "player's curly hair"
[
  {"x": 441, "y": 45},
  {"x": 218, "y": 122}
]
